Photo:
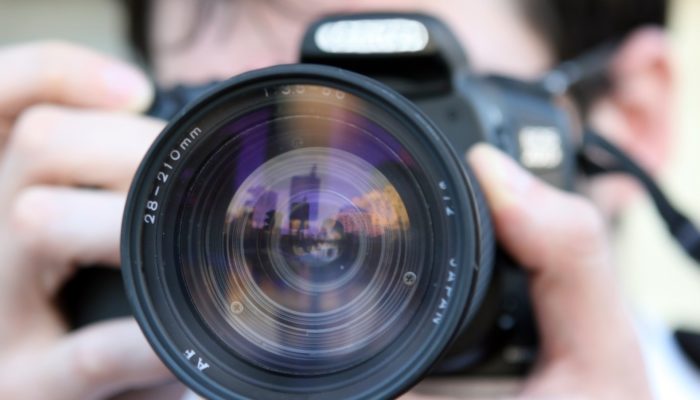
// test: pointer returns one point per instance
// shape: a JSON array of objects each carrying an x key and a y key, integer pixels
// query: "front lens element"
[{"x": 300, "y": 253}]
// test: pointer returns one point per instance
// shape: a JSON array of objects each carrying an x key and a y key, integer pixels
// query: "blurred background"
[{"x": 660, "y": 280}]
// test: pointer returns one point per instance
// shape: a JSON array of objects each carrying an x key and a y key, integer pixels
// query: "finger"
[
  {"x": 5, "y": 127},
  {"x": 422, "y": 396},
  {"x": 56, "y": 72},
  {"x": 189, "y": 395},
  {"x": 102, "y": 360},
  {"x": 172, "y": 390},
  {"x": 56, "y": 145},
  {"x": 570, "y": 231},
  {"x": 561, "y": 240},
  {"x": 54, "y": 229}
]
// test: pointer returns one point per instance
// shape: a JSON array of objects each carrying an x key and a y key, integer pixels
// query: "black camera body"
[
  {"x": 427, "y": 87},
  {"x": 520, "y": 118}
]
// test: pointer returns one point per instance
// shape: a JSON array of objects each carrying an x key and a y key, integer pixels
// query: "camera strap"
[{"x": 598, "y": 156}]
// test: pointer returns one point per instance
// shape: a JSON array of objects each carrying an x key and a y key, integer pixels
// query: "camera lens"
[
  {"x": 300, "y": 231},
  {"x": 296, "y": 256}
]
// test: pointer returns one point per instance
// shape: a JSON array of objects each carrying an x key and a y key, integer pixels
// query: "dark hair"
[
  {"x": 138, "y": 22},
  {"x": 571, "y": 26},
  {"x": 574, "y": 26}
]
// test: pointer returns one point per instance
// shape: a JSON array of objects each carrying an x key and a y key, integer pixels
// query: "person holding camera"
[{"x": 72, "y": 133}]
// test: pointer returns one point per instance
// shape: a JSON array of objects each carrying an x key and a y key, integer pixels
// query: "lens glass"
[{"x": 304, "y": 233}]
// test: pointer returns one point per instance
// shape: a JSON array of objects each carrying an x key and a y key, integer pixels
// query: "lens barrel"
[{"x": 303, "y": 232}]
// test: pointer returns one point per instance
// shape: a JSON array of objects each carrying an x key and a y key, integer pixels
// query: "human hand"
[
  {"x": 70, "y": 142},
  {"x": 589, "y": 349}
]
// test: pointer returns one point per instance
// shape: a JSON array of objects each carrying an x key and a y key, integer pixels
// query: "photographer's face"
[
  {"x": 197, "y": 41},
  {"x": 240, "y": 35}
]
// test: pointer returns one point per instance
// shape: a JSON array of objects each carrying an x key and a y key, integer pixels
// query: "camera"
[{"x": 311, "y": 230}]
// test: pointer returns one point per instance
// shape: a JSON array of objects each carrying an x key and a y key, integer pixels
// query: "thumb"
[{"x": 560, "y": 239}]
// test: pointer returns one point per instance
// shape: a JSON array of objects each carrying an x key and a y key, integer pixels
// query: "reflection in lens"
[
  {"x": 316, "y": 232},
  {"x": 303, "y": 267},
  {"x": 310, "y": 274}
]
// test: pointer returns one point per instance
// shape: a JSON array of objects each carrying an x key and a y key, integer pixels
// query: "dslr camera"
[{"x": 312, "y": 231}]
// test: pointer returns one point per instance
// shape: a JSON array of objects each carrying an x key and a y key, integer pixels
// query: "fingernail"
[
  {"x": 502, "y": 179},
  {"x": 129, "y": 87}
]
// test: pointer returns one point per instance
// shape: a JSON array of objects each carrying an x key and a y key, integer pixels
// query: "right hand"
[
  {"x": 588, "y": 346},
  {"x": 71, "y": 138}
]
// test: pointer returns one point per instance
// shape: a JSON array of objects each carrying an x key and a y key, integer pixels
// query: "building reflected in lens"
[
  {"x": 263, "y": 205},
  {"x": 384, "y": 208},
  {"x": 303, "y": 207}
]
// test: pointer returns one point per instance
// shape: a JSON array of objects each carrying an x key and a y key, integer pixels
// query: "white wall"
[
  {"x": 655, "y": 273},
  {"x": 95, "y": 23}
]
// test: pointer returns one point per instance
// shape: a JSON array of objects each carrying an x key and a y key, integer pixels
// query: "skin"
[{"x": 71, "y": 137}]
